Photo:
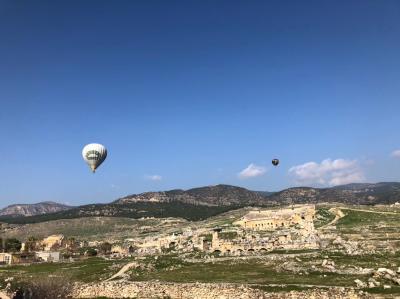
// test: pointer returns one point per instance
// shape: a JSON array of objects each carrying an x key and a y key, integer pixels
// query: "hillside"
[
  {"x": 226, "y": 195},
  {"x": 33, "y": 209},
  {"x": 367, "y": 194},
  {"x": 218, "y": 195},
  {"x": 201, "y": 203},
  {"x": 93, "y": 228},
  {"x": 132, "y": 210}
]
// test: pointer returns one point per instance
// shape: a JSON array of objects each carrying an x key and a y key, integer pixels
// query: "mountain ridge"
[
  {"x": 215, "y": 195},
  {"x": 203, "y": 202},
  {"x": 34, "y": 209}
]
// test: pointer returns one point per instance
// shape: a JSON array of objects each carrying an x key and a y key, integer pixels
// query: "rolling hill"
[
  {"x": 218, "y": 195},
  {"x": 364, "y": 194},
  {"x": 201, "y": 203}
]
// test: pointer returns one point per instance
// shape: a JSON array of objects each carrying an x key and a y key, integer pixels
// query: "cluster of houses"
[
  {"x": 257, "y": 231},
  {"x": 41, "y": 251}
]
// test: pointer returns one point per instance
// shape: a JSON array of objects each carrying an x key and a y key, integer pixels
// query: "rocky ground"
[{"x": 124, "y": 289}]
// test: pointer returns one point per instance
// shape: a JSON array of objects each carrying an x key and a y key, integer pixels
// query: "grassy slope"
[
  {"x": 91, "y": 269},
  {"x": 354, "y": 219},
  {"x": 130, "y": 210},
  {"x": 323, "y": 216},
  {"x": 93, "y": 228},
  {"x": 106, "y": 228},
  {"x": 254, "y": 271}
]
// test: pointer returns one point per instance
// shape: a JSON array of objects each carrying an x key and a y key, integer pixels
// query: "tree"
[
  {"x": 71, "y": 244},
  {"x": 46, "y": 288},
  {"x": 105, "y": 248},
  {"x": 12, "y": 245},
  {"x": 31, "y": 244},
  {"x": 132, "y": 249}
]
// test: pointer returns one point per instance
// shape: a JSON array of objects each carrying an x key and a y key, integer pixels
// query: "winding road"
[
  {"x": 338, "y": 214},
  {"x": 122, "y": 270}
]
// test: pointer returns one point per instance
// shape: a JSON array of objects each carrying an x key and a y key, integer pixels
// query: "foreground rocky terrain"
[{"x": 123, "y": 289}]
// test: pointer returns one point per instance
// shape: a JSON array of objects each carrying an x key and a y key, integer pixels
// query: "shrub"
[
  {"x": 46, "y": 287},
  {"x": 12, "y": 245},
  {"x": 91, "y": 252}
]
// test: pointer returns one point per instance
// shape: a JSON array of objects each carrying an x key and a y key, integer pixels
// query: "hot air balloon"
[
  {"x": 94, "y": 154},
  {"x": 275, "y": 162}
]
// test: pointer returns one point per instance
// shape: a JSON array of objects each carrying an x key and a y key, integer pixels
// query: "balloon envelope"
[
  {"x": 275, "y": 162},
  {"x": 94, "y": 154}
]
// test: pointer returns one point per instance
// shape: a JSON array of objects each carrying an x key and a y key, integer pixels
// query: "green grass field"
[
  {"x": 322, "y": 217},
  {"x": 354, "y": 219},
  {"x": 253, "y": 271},
  {"x": 378, "y": 223},
  {"x": 373, "y": 261},
  {"x": 88, "y": 270}
]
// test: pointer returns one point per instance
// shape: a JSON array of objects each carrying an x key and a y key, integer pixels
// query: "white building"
[
  {"x": 48, "y": 256},
  {"x": 6, "y": 258}
]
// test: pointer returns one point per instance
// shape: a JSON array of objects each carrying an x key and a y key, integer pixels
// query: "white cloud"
[
  {"x": 252, "y": 171},
  {"x": 154, "y": 177},
  {"x": 328, "y": 172},
  {"x": 396, "y": 153}
]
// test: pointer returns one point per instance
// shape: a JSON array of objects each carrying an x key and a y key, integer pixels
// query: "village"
[{"x": 259, "y": 231}]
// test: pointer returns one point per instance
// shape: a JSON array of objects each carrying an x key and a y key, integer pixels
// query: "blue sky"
[{"x": 193, "y": 93}]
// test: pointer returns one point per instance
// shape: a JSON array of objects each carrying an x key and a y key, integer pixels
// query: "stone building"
[
  {"x": 250, "y": 242},
  {"x": 289, "y": 228},
  {"x": 16, "y": 258},
  {"x": 48, "y": 256},
  {"x": 6, "y": 258},
  {"x": 52, "y": 242},
  {"x": 281, "y": 218}
]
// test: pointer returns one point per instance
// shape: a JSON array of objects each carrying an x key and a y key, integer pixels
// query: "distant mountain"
[
  {"x": 204, "y": 202},
  {"x": 33, "y": 209},
  {"x": 132, "y": 210},
  {"x": 226, "y": 195},
  {"x": 366, "y": 194}
]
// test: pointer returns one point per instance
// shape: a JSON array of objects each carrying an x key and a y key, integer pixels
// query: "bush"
[
  {"x": 45, "y": 288},
  {"x": 12, "y": 245},
  {"x": 91, "y": 252}
]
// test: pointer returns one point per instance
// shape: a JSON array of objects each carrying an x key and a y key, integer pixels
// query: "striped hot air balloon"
[{"x": 94, "y": 154}]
